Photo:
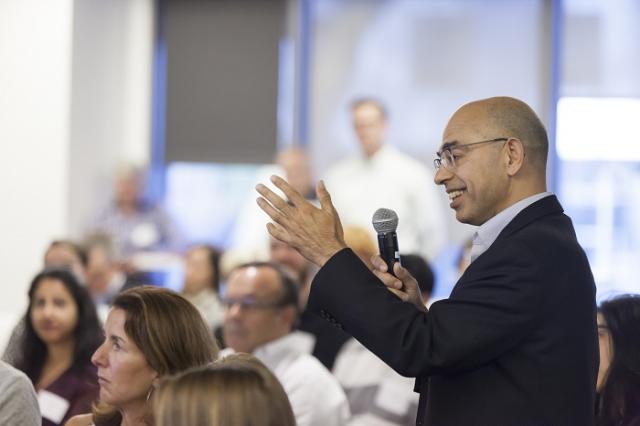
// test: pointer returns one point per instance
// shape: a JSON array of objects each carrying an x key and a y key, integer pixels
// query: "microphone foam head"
[{"x": 384, "y": 221}]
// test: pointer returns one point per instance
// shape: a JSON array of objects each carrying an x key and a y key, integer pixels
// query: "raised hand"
[{"x": 315, "y": 232}]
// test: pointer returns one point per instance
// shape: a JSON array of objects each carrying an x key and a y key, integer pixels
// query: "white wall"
[
  {"x": 35, "y": 78},
  {"x": 110, "y": 98},
  {"x": 75, "y": 81}
]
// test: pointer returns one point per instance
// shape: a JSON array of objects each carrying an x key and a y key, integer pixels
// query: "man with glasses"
[
  {"x": 261, "y": 308},
  {"x": 516, "y": 342}
]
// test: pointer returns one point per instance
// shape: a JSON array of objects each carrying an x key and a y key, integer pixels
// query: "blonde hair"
[
  {"x": 235, "y": 391},
  {"x": 361, "y": 242},
  {"x": 168, "y": 330}
]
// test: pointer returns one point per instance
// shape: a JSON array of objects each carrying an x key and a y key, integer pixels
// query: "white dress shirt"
[
  {"x": 489, "y": 231},
  {"x": 315, "y": 395},
  {"x": 360, "y": 185},
  {"x": 378, "y": 396}
]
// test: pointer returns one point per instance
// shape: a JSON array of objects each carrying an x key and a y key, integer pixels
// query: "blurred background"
[{"x": 204, "y": 94}]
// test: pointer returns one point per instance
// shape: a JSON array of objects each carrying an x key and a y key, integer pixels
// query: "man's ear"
[
  {"x": 514, "y": 156},
  {"x": 288, "y": 314}
]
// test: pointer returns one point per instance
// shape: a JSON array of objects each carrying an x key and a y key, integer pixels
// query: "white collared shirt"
[
  {"x": 315, "y": 395},
  {"x": 489, "y": 231},
  {"x": 361, "y": 185}
]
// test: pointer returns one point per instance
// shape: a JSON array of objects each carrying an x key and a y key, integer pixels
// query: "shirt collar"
[
  {"x": 273, "y": 352},
  {"x": 487, "y": 233}
]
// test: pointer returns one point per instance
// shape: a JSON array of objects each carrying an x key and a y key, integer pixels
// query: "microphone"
[{"x": 385, "y": 222}]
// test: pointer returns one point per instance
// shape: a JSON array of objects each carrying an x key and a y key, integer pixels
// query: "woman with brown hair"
[
  {"x": 236, "y": 391},
  {"x": 150, "y": 332}
]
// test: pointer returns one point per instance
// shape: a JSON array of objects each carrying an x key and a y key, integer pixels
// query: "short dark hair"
[
  {"x": 419, "y": 268},
  {"x": 617, "y": 403},
  {"x": 87, "y": 334},
  {"x": 76, "y": 248},
  {"x": 213, "y": 256},
  {"x": 288, "y": 284}
]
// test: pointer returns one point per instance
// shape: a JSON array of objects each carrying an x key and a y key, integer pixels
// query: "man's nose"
[
  {"x": 442, "y": 175},
  {"x": 233, "y": 310}
]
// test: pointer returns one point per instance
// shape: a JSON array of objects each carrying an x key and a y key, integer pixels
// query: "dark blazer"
[{"x": 515, "y": 343}]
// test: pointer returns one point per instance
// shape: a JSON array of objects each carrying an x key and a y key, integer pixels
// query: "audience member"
[
  {"x": 377, "y": 394},
  {"x": 61, "y": 333},
  {"x": 361, "y": 241},
  {"x": 105, "y": 279},
  {"x": 295, "y": 163},
  {"x": 134, "y": 224},
  {"x": 618, "y": 386},
  {"x": 18, "y": 401},
  {"x": 289, "y": 258},
  {"x": 261, "y": 303},
  {"x": 420, "y": 269},
  {"x": 248, "y": 241},
  {"x": 236, "y": 391},
  {"x": 68, "y": 254},
  {"x": 202, "y": 281},
  {"x": 59, "y": 254},
  {"x": 396, "y": 181},
  {"x": 327, "y": 339},
  {"x": 150, "y": 332}
]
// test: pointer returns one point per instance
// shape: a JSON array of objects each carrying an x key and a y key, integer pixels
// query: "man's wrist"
[{"x": 329, "y": 253}]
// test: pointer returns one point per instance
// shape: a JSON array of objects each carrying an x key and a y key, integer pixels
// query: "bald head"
[
  {"x": 495, "y": 152},
  {"x": 510, "y": 117}
]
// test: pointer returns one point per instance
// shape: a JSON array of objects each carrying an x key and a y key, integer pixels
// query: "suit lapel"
[{"x": 543, "y": 207}]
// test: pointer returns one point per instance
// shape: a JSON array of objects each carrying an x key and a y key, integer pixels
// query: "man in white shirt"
[
  {"x": 401, "y": 183},
  {"x": 261, "y": 308}
]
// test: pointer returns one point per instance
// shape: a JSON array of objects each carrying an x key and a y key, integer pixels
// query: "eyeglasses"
[
  {"x": 249, "y": 303},
  {"x": 447, "y": 159}
]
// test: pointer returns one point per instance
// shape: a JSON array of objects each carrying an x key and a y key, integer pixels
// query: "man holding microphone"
[{"x": 516, "y": 341}]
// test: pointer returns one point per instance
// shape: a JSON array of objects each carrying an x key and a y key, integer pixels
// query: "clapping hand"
[{"x": 315, "y": 232}]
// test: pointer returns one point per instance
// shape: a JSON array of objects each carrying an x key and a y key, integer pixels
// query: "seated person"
[
  {"x": 18, "y": 401},
  {"x": 238, "y": 390},
  {"x": 202, "y": 281},
  {"x": 61, "y": 332},
  {"x": 618, "y": 385},
  {"x": 261, "y": 303},
  {"x": 105, "y": 278},
  {"x": 68, "y": 254},
  {"x": 377, "y": 394},
  {"x": 150, "y": 332},
  {"x": 328, "y": 339},
  {"x": 59, "y": 254},
  {"x": 134, "y": 224}
]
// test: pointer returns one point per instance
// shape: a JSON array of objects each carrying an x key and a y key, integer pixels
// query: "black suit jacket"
[{"x": 515, "y": 343}]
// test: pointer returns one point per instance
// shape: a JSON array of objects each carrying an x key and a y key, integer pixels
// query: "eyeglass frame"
[
  {"x": 438, "y": 162},
  {"x": 250, "y": 303}
]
